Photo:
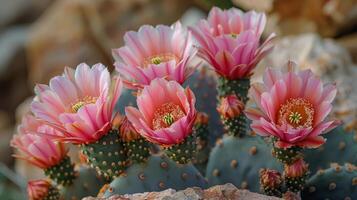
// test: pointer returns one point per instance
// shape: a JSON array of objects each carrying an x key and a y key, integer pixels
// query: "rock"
[
  {"x": 227, "y": 191},
  {"x": 21, "y": 11},
  {"x": 329, "y": 18},
  {"x": 350, "y": 43},
  {"x": 75, "y": 31},
  {"x": 325, "y": 58}
]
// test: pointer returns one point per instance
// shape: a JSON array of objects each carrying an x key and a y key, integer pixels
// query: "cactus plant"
[
  {"x": 238, "y": 161},
  {"x": 157, "y": 174},
  {"x": 203, "y": 148},
  {"x": 336, "y": 182},
  {"x": 344, "y": 150},
  {"x": 86, "y": 183},
  {"x": 107, "y": 155}
]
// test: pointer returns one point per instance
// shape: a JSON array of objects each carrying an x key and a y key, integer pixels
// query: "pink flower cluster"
[{"x": 78, "y": 106}]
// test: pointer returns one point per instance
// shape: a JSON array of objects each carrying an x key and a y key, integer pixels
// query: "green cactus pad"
[
  {"x": 203, "y": 149},
  {"x": 53, "y": 194},
  {"x": 107, "y": 155},
  {"x": 236, "y": 126},
  {"x": 137, "y": 150},
  {"x": 295, "y": 184},
  {"x": 62, "y": 173},
  {"x": 238, "y": 87},
  {"x": 87, "y": 183},
  {"x": 336, "y": 182},
  {"x": 182, "y": 153},
  {"x": 287, "y": 156},
  {"x": 159, "y": 173},
  {"x": 340, "y": 147},
  {"x": 239, "y": 160}
]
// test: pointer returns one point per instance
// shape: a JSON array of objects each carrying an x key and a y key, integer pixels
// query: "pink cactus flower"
[
  {"x": 155, "y": 52},
  {"x": 292, "y": 107},
  {"x": 38, "y": 189},
  {"x": 166, "y": 112},
  {"x": 80, "y": 103},
  {"x": 229, "y": 41},
  {"x": 37, "y": 149}
]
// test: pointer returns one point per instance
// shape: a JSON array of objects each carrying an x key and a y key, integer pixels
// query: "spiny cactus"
[
  {"x": 63, "y": 173},
  {"x": 238, "y": 161},
  {"x": 203, "y": 148},
  {"x": 340, "y": 147},
  {"x": 182, "y": 153},
  {"x": 87, "y": 183},
  {"x": 107, "y": 155},
  {"x": 159, "y": 173},
  {"x": 336, "y": 182}
]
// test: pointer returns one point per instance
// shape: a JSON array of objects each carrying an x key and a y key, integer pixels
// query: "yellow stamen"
[
  {"x": 166, "y": 115},
  {"x": 297, "y": 112},
  {"x": 156, "y": 60},
  {"x": 80, "y": 103}
]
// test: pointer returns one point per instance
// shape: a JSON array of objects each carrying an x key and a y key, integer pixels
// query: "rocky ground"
[{"x": 219, "y": 192}]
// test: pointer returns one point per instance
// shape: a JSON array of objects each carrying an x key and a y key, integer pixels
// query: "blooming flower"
[
  {"x": 166, "y": 112},
  {"x": 78, "y": 103},
  {"x": 38, "y": 189},
  {"x": 292, "y": 107},
  {"x": 229, "y": 41},
  {"x": 35, "y": 148},
  {"x": 155, "y": 52}
]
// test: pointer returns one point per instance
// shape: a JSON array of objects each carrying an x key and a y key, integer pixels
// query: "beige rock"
[
  {"x": 329, "y": 18},
  {"x": 219, "y": 192},
  {"x": 350, "y": 43},
  {"x": 75, "y": 31}
]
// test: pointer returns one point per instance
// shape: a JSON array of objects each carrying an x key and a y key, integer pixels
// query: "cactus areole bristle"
[
  {"x": 63, "y": 173},
  {"x": 166, "y": 115}
]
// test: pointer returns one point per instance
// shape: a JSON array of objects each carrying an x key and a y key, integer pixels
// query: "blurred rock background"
[{"x": 39, "y": 37}]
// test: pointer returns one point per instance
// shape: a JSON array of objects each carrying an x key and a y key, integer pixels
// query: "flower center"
[
  {"x": 166, "y": 115},
  {"x": 158, "y": 59},
  {"x": 234, "y": 35},
  {"x": 298, "y": 112},
  {"x": 80, "y": 103}
]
